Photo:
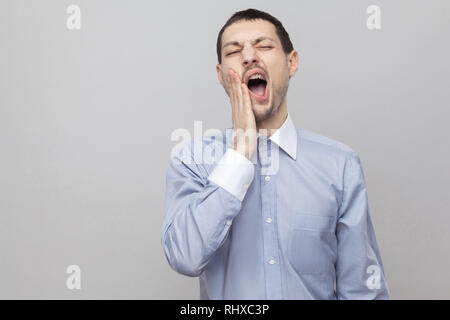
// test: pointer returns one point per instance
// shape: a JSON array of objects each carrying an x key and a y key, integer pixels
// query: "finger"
[
  {"x": 229, "y": 82},
  {"x": 246, "y": 98},
  {"x": 231, "y": 90},
  {"x": 232, "y": 93},
  {"x": 238, "y": 91},
  {"x": 235, "y": 89}
]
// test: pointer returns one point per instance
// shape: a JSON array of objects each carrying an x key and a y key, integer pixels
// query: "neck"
[{"x": 273, "y": 123}]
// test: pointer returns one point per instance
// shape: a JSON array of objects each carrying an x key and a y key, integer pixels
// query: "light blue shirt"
[{"x": 291, "y": 223}]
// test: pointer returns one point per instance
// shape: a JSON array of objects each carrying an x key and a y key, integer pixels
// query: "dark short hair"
[{"x": 253, "y": 14}]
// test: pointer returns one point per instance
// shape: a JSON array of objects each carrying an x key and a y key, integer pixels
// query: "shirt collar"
[{"x": 286, "y": 137}]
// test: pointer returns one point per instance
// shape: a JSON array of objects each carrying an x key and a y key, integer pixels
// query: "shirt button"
[
  {"x": 265, "y": 142},
  {"x": 267, "y": 178},
  {"x": 269, "y": 220},
  {"x": 245, "y": 185},
  {"x": 271, "y": 261},
  {"x": 228, "y": 222}
]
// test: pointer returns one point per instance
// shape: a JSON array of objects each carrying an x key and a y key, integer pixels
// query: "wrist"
[{"x": 244, "y": 150}]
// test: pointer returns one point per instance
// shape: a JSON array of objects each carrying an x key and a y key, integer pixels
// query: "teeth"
[{"x": 256, "y": 76}]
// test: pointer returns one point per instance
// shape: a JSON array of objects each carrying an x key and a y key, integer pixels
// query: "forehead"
[{"x": 249, "y": 30}]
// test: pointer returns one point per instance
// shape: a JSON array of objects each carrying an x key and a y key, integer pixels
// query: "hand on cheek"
[{"x": 244, "y": 123}]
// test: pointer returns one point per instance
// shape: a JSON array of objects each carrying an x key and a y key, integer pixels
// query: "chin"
[{"x": 263, "y": 112}]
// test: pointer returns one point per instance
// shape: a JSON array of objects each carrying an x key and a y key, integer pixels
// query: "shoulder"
[
  {"x": 325, "y": 153},
  {"x": 318, "y": 143}
]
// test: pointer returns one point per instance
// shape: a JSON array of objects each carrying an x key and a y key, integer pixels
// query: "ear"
[
  {"x": 292, "y": 59},
  {"x": 219, "y": 74}
]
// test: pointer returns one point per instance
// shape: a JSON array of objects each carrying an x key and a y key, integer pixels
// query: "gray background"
[{"x": 86, "y": 118}]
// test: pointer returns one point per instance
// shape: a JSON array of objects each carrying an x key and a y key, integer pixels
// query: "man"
[{"x": 284, "y": 213}]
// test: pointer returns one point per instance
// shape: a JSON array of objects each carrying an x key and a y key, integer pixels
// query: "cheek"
[
  {"x": 275, "y": 81},
  {"x": 280, "y": 79},
  {"x": 225, "y": 76},
  {"x": 280, "y": 72},
  {"x": 225, "y": 80}
]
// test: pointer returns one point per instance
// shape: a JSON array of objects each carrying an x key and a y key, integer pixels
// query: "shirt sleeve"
[
  {"x": 359, "y": 268},
  {"x": 234, "y": 173},
  {"x": 199, "y": 211}
]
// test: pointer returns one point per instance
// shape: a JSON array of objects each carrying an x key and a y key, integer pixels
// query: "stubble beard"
[{"x": 280, "y": 93}]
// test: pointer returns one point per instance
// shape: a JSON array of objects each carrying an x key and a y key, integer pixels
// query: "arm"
[
  {"x": 200, "y": 210},
  {"x": 359, "y": 269}
]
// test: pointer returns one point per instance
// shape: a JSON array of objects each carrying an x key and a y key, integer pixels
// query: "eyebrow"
[{"x": 256, "y": 41}]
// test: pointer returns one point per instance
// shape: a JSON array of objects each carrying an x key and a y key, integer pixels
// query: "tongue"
[{"x": 258, "y": 89}]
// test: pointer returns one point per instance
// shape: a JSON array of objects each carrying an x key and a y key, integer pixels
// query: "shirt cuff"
[{"x": 234, "y": 172}]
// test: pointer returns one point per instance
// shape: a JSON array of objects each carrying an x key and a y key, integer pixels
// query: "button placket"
[{"x": 268, "y": 207}]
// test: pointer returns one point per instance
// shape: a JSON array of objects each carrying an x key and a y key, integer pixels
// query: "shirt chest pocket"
[{"x": 312, "y": 243}]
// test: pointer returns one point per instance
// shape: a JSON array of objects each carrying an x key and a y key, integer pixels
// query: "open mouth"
[{"x": 257, "y": 85}]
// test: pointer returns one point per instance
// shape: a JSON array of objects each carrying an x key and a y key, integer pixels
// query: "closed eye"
[{"x": 265, "y": 47}]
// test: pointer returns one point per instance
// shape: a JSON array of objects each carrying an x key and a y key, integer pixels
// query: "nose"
[{"x": 249, "y": 57}]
